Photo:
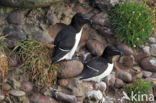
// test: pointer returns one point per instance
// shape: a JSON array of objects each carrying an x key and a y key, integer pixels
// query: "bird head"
[
  {"x": 111, "y": 51},
  {"x": 80, "y": 19}
]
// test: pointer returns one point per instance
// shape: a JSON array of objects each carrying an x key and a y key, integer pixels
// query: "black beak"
[
  {"x": 90, "y": 21},
  {"x": 121, "y": 54}
]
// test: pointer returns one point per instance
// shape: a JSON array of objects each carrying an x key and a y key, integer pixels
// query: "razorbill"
[
  {"x": 99, "y": 67},
  {"x": 67, "y": 40}
]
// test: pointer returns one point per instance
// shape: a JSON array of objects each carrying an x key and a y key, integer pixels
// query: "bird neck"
[
  {"x": 108, "y": 59},
  {"x": 77, "y": 27}
]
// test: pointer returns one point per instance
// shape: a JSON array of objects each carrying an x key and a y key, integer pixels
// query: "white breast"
[
  {"x": 70, "y": 54},
  {"x": 101, "y": 76}
]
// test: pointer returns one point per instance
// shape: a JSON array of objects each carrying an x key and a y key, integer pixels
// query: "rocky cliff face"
[{"x": 27, "y": 3}]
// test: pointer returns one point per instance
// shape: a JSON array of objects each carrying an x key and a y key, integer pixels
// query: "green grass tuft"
[
  {"x": 132, "y": 22},
  {"x": 139, "y": 87}
]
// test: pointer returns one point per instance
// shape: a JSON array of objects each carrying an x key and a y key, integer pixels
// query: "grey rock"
[
  {"x": 154, "y": 75},
  {"x": 146, "y": 49},
  {"x": 1, "y": 20},
  {"x": 101, "y": 19},
  {"x": 27, "y": 3},
  {"x": 152, "y": 40},
  {"x": 119, "y": 83},
  {"x": 104, "y": 4},
  {"x": 42, "y": 36},
  {"x": 149, "y": 64},
  {"x": 51, "y": 19},
  {"x": 28, "y": 86},
  {"x": 147, "y": 74},
  {"x": 38, "y": 98},
  {"x": 14, "y": 35},
  {"x": 6, "y": 87},
  {"x": 95, "y": 95},
  {"x": 69, "y": 69},
  {"x": 95, "y": 47},
  {"x": 125, "y": 49},
  {"x": 125, "y": 76},
  {"x": 63, "y": 82},
  {"x": 100, "y": 86},
  {"x": 138, "y": 76},
  {"x": 153, "y": 49},
  {"x": 16, "y": 17},
  {"x": 12, "y": 60},
  {"x": 110, "y": 80},
  {"x": 17, "y": 93},
  {"x": 2, "y": 96}
]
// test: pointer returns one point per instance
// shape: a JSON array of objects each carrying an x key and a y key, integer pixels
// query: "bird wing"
[
  {"x": 65, "y": 38},
  {"x": 64, "y": 42},
  {"x": 93, "y": 68}
]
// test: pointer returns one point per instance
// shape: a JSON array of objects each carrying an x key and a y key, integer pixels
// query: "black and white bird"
[
  {"x": 67, "y": 40},
  {"x": 99, "y": 67}
]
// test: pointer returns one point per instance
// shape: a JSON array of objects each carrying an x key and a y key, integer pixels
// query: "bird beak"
[
  {"x": 90, "y": 21},
  {"x": 121, "y": 54}
]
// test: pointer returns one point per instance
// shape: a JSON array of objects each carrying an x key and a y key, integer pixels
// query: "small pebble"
[
  {"x": 28, "y": 86},
  {"x": 6, "y": 87},
  {"x": 17, "y": 93}
]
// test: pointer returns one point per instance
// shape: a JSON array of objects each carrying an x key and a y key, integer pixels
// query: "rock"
[
  {"x": 100, "y": 86},
  {"x": 69, "y": 69},
  {"x": 27, "y": 3},
  {"x": 146, "y": 49},
  {"x": 17, "y": 93},
  {"x": 42, "y": 36},
  {"x": 152, "y": 39},
  {"x": 147, "y": 74},
  {"x": 1, "y": 20},
  {"x": 125, "y": 76},
  {"x": 28, "y": 86},
  {"x": 104, "y": 4},
  {"x": 125, "y": 49},
  {"x": 138, "y": 76},
  {"x": 14, "y": 35},
  {"x": 126, "y": 61},
  {"x": 95, "y": 47},
  {"x": 140, "y": 56},
  {"x": 6, "y": 87},
  {"x": 153, "y": 75},
  {"x": 51, "y": 19},
  {"x": 77, "y": 88},
  {"x": 16, "y": 17},
  {"x": 63, "y": 82},
  {"x": 149, "y": 64},
  {"x": 105, "y": 31},
  {"x": 95, "y": 95},
  {"x": 26, "y": 100},
  {"x": 55, "y": 29},
  {"x": 2, "y": 96},
  {"x": 101, "y": 19},
  {"x": 153, "y": 50},
  {"x": 110, "y": 80},
  {"x": 53, "y": 100},
  {"x": 65, "y": 98},
  {"x": 137, "y": 69},
  {"x": 119, "y": 83},
  {"x": 38, "y": 98},
  {"x": 12, "y": 61}
]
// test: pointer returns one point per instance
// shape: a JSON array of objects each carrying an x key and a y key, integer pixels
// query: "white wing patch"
[
  {"x": 63, "y": 49},
  {"x": 98, "y": 78},
  {"x": 92, "y": 68}
]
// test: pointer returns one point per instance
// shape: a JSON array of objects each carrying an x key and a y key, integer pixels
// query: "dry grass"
[
  {"x": 3, "y": 60},
  {"x": 36, "y": 58}
]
